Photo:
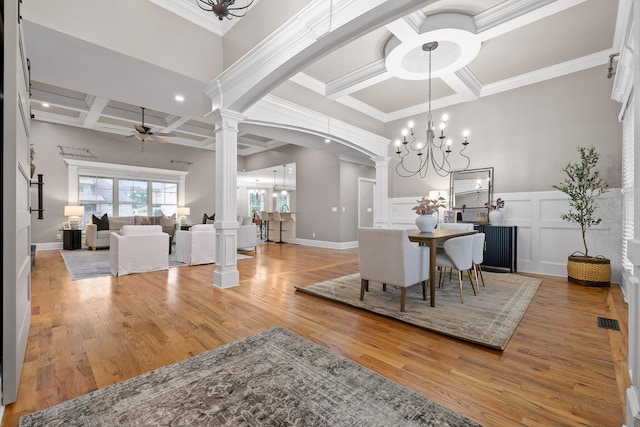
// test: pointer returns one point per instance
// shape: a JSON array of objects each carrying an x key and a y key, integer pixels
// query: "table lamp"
[
  {"x": 74, "y": 213},
  {"x": 183, "y": 213}
]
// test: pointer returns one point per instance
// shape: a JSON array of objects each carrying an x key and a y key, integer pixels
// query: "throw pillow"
[
  {"x": 247, "y": 220},
  {"x": 145, "y": 220},
  {"x": 101, "y": 223},
  {"x": 168, "y": 221},
  {"x": 208, "y": 219}
]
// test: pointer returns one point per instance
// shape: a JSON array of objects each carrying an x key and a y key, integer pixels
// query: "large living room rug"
[
  {"x": 87, "y": 264},
  {"x": 274, "y": 378},
  {"x": 489, "y": 319}
]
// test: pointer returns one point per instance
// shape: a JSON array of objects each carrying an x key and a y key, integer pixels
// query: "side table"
[{"x": 72, "y": 239}]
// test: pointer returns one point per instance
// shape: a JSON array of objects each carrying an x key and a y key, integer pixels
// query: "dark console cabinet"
[{"x": 501, "y": 247}]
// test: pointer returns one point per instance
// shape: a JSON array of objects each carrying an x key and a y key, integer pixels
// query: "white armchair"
[
  {"x": 138, "y": 249},
  {"x": 247, "y": 236},
  {"x": 387, "y": 256},
  {"x": 196, "y": 246}
]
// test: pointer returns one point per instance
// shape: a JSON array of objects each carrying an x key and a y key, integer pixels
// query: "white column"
[
  {"x": 381, "y": 209},
  {"x": 226, "y": 274}
]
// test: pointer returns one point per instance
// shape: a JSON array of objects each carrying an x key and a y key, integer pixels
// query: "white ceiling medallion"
[{"x": 458, "y": 45}]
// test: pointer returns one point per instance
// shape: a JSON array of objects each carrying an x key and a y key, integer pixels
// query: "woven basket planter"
[{"x": 589, "y": 271}]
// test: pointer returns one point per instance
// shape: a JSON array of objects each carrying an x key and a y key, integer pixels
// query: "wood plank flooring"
[{"x": 558, "y": 369}]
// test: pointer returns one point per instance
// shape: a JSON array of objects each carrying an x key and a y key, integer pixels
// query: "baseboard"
[
  {"x": 633, "y": 408},
  {"x": 327, "y": 245},
  {"x": 48, "y": 246}
]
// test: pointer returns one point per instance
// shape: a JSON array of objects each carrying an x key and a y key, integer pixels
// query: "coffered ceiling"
[{"x": 485, "y": 47}]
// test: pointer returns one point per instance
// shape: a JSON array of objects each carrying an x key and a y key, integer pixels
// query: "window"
[
  {"x": 283, "y": 203},
  {"x": 123, "y": 190},
  {"x": 133, "y": 197},
  {"x": 96, "y": 194},
  {"x": 164, "y": 198},
  {"x": 256, "y": 201},
  {"x": 627, "y": 183}
]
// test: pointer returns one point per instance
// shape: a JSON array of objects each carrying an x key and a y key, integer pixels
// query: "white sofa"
[
  {"x": 101, "y": 238},
  {"x": 138, "y": 249},
  {"x": 197, "y": 245}
]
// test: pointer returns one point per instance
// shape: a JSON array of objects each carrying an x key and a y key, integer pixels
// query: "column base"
[{"x": 226, "y": 279}]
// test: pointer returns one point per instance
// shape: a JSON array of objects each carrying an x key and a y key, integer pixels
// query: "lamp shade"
[
  {"x": 184, "y": 211},
  {"x": 73, "y": 210}
]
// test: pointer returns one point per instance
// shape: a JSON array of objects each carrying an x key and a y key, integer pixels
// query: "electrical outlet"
[
  {"x": 58, "y": 236},
  {"x": 334, "y": 209},
  {"x": 313, "y": 234}
]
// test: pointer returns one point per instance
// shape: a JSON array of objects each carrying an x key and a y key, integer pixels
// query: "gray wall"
[
  {"x": 528, "y": 135},
  {"x": 108, "y": 148}
]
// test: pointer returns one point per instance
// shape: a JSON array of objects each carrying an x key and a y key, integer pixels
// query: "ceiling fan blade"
[
  {"x": 164, "y": 133},
  {"x": 155, "y": 137}
]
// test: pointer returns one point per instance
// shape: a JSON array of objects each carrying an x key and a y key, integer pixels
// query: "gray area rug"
[
  {"x": 274, "y": 378},
  {"x": 87, "y": 264},
  {"x": 489, "y": 319}
]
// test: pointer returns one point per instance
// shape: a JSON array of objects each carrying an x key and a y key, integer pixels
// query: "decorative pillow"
[
  {"x": 101, "y": 223},
  {"x": 208, "y": 219},
  {"x": 247, "y": 220},
  {"x": 145, "y": 220},
  {"x": 168, "y": 221}
]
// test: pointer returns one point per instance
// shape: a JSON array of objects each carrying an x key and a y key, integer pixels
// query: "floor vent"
[{"x": 607, "y": 323}]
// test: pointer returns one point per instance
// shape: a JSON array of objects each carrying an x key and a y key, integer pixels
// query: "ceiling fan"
[{"x": 144, "y": 132}]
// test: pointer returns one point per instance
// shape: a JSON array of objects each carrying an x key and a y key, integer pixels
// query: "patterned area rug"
[
  {"x": 274, "y": 378},
  {"x": 489, "y": 319},
  {"x": 87, "y": 264}
]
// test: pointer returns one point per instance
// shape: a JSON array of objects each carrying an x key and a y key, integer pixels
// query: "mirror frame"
[{"x": 459, "y": 173}]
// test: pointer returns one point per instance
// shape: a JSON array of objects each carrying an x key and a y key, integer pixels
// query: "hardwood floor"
[{"x": 559, "y": 368}]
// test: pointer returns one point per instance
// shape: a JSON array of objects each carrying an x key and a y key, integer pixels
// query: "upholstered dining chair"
[
  {"x": 478, "y": 257},
  {"x": 460, "y": 226},
  {"x": 458, "y": 254},
  {"x": 387, "y": 256}
]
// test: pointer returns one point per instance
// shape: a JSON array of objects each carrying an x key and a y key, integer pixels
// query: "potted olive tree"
[{"x": 583, "y": 185}]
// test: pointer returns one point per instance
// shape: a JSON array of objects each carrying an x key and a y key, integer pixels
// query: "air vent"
[{"x": 607, "y": 323}]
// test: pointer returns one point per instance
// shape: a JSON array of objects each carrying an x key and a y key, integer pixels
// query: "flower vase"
[
  {"x": 426, "y": 223},
  {"x": 495, "y": 217},
  {"x": 483, "y": 218}
]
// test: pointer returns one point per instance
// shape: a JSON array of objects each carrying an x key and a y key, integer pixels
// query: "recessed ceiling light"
[
  {"x": 179, "y": 98},
  {"x": 327, "y": 140},
  {"x": 45, "y": 105}
]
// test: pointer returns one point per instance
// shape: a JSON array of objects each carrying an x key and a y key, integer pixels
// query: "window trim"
[{"x": 111, "y": 170}]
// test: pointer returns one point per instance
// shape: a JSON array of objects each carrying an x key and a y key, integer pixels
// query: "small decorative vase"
[
  {"x": 483, "y": 219},
  {"x": 495, "y": 217},
  {"x": 426, "y": 223}
]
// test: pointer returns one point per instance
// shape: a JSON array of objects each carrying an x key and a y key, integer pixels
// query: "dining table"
[{"x": 433, "y": 239}]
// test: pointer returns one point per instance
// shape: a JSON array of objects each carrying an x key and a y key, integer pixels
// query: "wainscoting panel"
[{"x": 544, "y": 239}]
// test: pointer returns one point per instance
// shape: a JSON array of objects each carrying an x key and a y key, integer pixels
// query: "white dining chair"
[
  {"x": 387, "y": 256},
  {"x": 478, "y": 257},
  {"x": 458, "y": 254}
]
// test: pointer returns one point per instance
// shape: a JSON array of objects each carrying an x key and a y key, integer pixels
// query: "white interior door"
[{"x": 16, "y": 217}]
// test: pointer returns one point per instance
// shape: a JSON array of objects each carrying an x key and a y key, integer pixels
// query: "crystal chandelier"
[
  {"x": 223, "y": 9},
  {"x": 416, "y": 155}
]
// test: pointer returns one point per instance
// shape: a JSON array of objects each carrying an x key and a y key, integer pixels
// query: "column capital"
[{"x": 226, "y": 119}]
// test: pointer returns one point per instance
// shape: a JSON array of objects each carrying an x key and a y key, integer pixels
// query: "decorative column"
[
  {"x": 226, "y": 274},
  {"x": 381, "y": 213}
]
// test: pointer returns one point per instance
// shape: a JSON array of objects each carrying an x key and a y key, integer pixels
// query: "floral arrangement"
[
  {"x": 499, "y": 204},
  {"x": 429, "y": 206}
]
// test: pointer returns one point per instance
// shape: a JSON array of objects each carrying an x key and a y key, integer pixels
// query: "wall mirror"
[{"x": 471, "y": 188}]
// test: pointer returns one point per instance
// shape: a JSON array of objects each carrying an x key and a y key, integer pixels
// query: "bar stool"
[
  {"x": 278, "y": 218},
  {"x": 264, "y": 218}
]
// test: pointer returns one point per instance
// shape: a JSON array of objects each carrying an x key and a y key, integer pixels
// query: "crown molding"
[{"x": 366, "y": 76}]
